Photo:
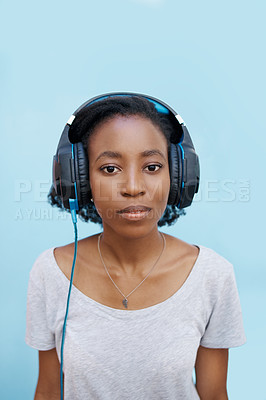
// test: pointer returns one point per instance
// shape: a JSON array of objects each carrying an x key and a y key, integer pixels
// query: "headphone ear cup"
[
  {"x": 82, "y": 175},
  {"x": 175, "y": 169}
]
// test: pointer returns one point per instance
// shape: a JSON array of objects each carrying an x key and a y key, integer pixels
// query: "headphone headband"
[{"x": 160, "y": 106}]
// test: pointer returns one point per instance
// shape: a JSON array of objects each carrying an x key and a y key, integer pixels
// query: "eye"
[
  {"x": 153, "y": 167},
  {"x": 109, "y": 169}
]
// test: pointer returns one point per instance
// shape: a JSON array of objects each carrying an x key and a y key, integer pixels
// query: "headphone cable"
[{"x": 74, "y": 220}]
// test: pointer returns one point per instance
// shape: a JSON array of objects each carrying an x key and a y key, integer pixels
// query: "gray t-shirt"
[{"x": 134, "y": 354}]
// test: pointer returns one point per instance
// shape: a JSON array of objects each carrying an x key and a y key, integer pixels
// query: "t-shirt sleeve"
[
  {"x": 225, "y": 325},
  {"x": 38, "y": 334}
]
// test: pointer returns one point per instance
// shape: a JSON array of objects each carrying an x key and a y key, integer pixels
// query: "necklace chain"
[{"x": 125, "y": 300}]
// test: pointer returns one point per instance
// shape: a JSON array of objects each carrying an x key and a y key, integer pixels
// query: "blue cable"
[{"x": 74, "y": 220}]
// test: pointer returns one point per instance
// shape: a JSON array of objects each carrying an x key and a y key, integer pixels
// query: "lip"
[
  {"x": 135, "y": 216},
  {"x": 134, "y": 209}
]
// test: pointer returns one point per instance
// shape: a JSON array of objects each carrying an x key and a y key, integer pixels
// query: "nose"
[{"x": 133, "y": 185}]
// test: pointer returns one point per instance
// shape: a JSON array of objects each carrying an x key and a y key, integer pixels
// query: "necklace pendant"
[{"x": 124, "y": 302}]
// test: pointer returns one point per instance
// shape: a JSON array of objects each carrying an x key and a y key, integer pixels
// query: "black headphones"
[{"x": 71, "y": 170}]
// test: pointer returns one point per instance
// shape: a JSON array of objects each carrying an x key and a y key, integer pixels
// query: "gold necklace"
[{"x": 125, "y": 300}]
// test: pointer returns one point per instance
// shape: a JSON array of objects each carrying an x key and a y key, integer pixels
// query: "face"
[{"x": 129, "y": 174}]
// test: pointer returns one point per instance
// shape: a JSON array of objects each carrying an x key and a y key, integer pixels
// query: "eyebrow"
[{"x": 146, "y": 153}]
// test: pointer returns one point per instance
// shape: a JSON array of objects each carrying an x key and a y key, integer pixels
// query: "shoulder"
[
  {"x": 214, "y": 262},
  {"x": 41, "y": 263},
  {"x": 43, "y": 272},
  {"x": 177, "y": 245},
  {"x": 215, "y": 272},
  {"x": 63, "y": 255},
  {"x": 182, "y": 250},
  {"x": 210, "y": 264},
  {"x": 46, "y": 272},
  {"x": 180, "y": 255}
]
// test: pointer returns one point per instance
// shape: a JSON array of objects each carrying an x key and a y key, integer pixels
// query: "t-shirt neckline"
[{"x": 82, "y": 299}]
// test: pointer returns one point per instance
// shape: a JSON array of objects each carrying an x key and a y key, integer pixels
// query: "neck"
[{"x": 127, "y": 256}]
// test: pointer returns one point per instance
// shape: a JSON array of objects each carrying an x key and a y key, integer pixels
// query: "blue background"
[{"x": 207, "y": 60}]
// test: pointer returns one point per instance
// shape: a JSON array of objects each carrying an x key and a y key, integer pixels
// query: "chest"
[{"x": 140, "y": 292}]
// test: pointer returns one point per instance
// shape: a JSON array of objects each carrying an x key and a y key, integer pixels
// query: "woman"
[{"x": 146, "y": 307}]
